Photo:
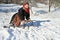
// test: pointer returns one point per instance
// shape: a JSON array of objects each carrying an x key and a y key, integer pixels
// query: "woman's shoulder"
[{"x": 20, "y": 9}]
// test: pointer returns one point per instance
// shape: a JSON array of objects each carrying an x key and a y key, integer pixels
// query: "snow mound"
[{"x": 9, "y": 8}]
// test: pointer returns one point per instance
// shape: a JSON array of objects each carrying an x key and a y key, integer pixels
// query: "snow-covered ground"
[
  {"x": 9, "y": 8},
  {"x": 45, "y": 27}
]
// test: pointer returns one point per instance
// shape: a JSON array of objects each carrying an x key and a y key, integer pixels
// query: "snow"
[
  {"x": 9, "y": 8},
  {"x": 41, "y": 5},
  {"x": 45, "y": 27}
]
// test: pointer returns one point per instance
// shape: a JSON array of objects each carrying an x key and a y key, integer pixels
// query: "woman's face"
[{"x": 26, "y": 6}]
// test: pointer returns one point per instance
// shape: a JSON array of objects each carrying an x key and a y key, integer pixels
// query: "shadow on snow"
[
  {"x": 35, "y": 23},
  {"x": 41, "y": 12}
]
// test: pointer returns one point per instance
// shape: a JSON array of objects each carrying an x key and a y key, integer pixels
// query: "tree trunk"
[
  {"x": 49, "y": 5},
  {"x": 49, "y": 8}
]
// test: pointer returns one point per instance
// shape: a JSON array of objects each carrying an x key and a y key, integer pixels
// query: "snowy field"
[{"x": 45, "y": 27}]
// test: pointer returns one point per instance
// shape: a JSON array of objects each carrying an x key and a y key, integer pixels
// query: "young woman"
[
  {"x": 24, "y": 12},
  {"x": 22, "y": 15}
]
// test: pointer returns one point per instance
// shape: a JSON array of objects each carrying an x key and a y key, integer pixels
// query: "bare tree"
[
  {"x": 55, "y": 3},
  {"x": 50, "y": 4}
]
